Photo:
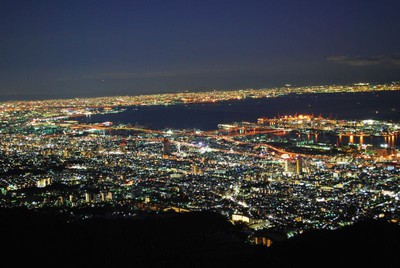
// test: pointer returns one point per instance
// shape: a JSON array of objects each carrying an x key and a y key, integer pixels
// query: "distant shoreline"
[
  {"x": 282, "y": 90},
  {"x": 206, "y": 116}
]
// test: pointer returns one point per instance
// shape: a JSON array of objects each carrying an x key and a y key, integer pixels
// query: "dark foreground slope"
[
  {"x": 365, "y": 244},
  {"x": 189, "y": 240},
  {"x": 183, "y": 240}
]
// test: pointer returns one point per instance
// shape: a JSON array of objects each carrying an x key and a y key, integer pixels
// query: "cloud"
[{"x": 365, "y": 61}]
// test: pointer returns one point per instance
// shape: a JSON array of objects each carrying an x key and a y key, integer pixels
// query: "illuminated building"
[
  {"x": 166, "y": 147},
  {"x": 287, "y": 163},
  {"x": 299, "y": 163},
  {"x": 103, "y": 196},
  {"x": 262, "y": 120},
  {"x": 88, "y": 198},
  {"x": 238, "y": 217},
  {"x": 43, "y": 182},
  {"x": 195, "y": 169}
]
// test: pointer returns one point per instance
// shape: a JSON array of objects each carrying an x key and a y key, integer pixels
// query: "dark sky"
[{"x": 90, "y": 48}]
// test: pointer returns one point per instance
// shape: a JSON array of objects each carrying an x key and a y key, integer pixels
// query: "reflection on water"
[{"x": 390, "y": 140}]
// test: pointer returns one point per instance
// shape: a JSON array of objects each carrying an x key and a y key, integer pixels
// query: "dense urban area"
[{"x": 289, "y": 174}]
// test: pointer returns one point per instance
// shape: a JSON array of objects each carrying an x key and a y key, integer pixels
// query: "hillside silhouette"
[{"x": 199, "y": 239}]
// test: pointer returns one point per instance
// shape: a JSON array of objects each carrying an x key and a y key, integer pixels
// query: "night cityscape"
[{"x": 181, "y": 153}]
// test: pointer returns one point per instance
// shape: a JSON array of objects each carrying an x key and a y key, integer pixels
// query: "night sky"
[{"x": 94, "y": 48}]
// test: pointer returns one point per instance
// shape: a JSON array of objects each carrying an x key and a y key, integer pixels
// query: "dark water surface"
[{"x": 384, "y": 105}]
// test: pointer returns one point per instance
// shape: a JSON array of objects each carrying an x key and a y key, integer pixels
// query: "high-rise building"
[
  {"x": 294, "y": 166},
  {"x": 287, "y": 162},
  {"x": 299, "y": 165},
  {"x": 88, "y": 197},
  {"x": 195, "y": 169},
  {"x": 166, "y": 147}
]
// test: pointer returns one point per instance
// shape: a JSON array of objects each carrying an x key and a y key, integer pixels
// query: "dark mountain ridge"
[{"x": 199, "y": 239}]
